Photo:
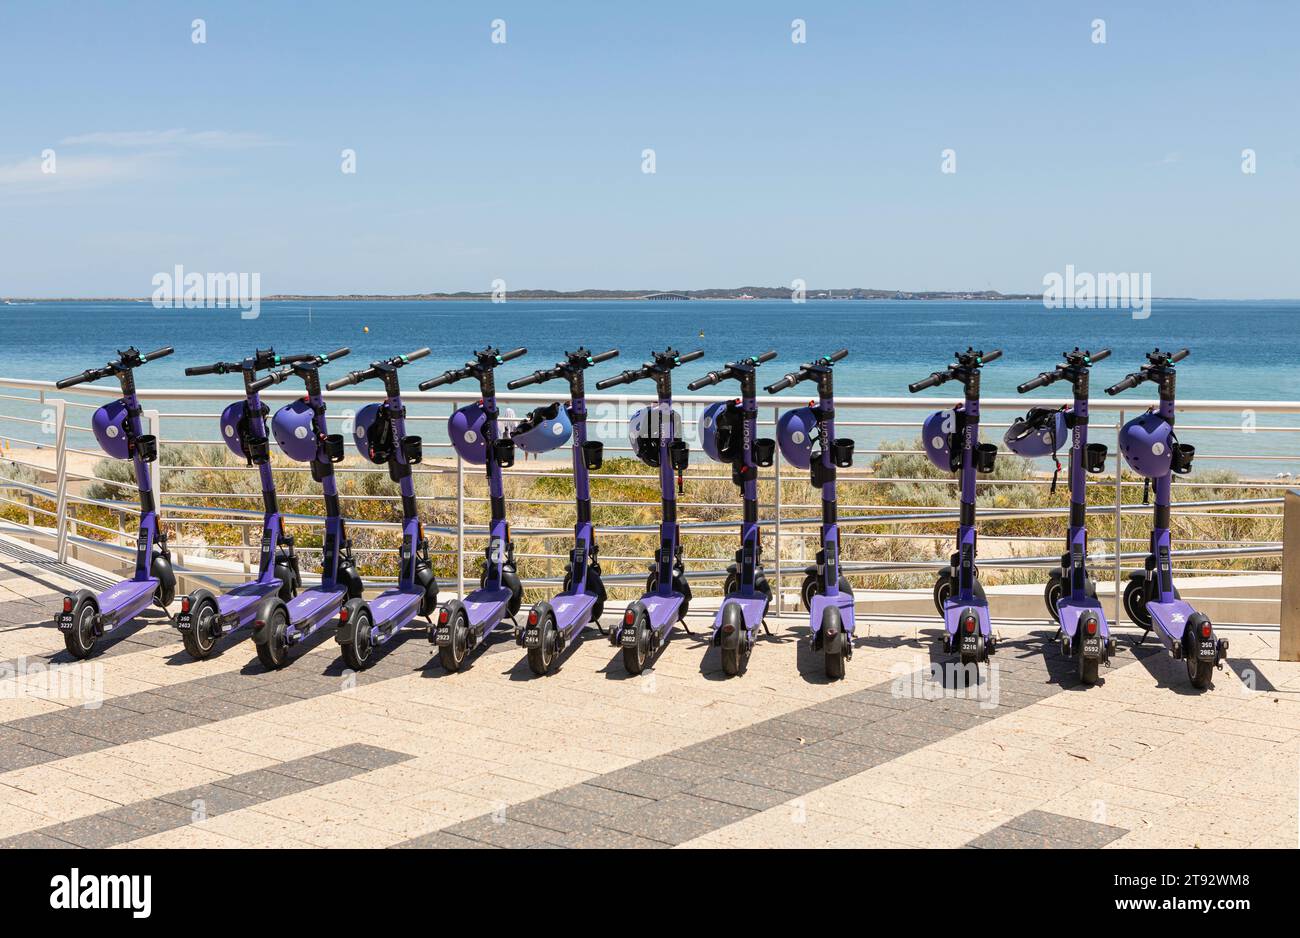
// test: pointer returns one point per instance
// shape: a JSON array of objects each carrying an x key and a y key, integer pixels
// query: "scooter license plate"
[
  {"x": 64, "y": 620},
  {"x": 442, "y": 635},
  {"x": 969, "y": 644},
  {"x": 185, "y": 621},
  {"x": 1208, "y": 649},
  {"x": 629, "y": 638},
  {"x": 1092, "y": 647},
  {"x": 533, "y": 638}
]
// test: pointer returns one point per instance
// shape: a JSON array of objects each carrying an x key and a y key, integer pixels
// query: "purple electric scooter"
[
  {"x": 205, "y": 616},
  {"x": 728, "y": 434},
  {"x": 951, "y": 440},
  {"x": 553, "y": 624},
  {"x": 1151, "y": 600},
  {"x": 825, "y": 592},
  {"x": 1071, "y": 593},
  {"x": 379, "y": 431},
  {"x": 86, "y": 617},
  {"x": 301, "y": 433},
  {"x": 655, "y": 434},
  {"x": 464, "y": 624}
]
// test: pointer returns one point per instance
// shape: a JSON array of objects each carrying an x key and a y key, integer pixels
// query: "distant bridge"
[{"x": 664, "y": 296}]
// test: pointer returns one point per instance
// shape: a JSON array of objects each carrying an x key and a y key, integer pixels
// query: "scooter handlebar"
[
  {"x": 88, "y": 375},
  {"x": 1042, "y": 381},
  {"x": 1131, "y": 381},
  {"x": 352, "y": 377},
  {"x": 447, "y": 377},
  {"x": 841, "y": 355},
  {"x": 275, "y": 377},
  {"x": 414, "y": 356},
  {"x": 788, "y": 381},
  {"x": 158, "y": 353},
  {"x": 1100, "y": 356},
  {"x": 537, "y": 377},
  {"x": 992, "y": 356},
  {"x": 604, "y": 356},
  {"x": 935, "y": 379},
  {"x": 626, "y": 377},
  {"x": 337, "y": 353},
  {"x": 1179, "y": 355},
  {"x": 690, "y": 356},
  {"x": 513, "y": 354},
  {"x": 713, "y": 377}
]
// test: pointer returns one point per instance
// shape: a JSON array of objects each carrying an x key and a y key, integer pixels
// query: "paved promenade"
[{"x": 142, "y": 747}]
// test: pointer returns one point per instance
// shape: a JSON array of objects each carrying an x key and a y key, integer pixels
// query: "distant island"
[{"x": 715, "y": 293}]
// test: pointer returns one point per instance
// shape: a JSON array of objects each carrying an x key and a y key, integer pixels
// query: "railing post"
[
  {"x": 61, "y": 480},
  {"x": 776, "y": 509},
  {"x": 1290, "y": 645}
]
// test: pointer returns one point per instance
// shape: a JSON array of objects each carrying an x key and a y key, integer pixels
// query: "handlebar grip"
[
  {"x": 513, "y": 354},
  {"x": 1180, "y": 355},
  {"x": 158, "y": 353},
  {"x": 537, "y": 377},
  {"x": 992, "y": 356},
  {"x": 75, "y": 379},
  {"x": 445, "y": 378},
  {"x": 766, "y": 356},
  {"x": 604, "y": 356},
  {"x": 261, "y": 384},
  {"x": 691, "y": 356},
  {"x": 337, "y": 353},
  {"x": 1131, "y": 381},
  {"x": 1033, "y": 384},
  {"x": 788, "y": 381},
  {"x": 711, "y": 378},
  {"x": 937, "y": 378},
  {"x": 839, "y": 356},
  {"x": 1100, "y": 356},
  {"x": 195, "y": 370},
  {"x": 417, "y": 354},
  {"x": 624, "y": 378},
  {"x": 352, "y": 377}
]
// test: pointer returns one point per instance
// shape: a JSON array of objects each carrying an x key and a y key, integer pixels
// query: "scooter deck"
[
  {"x": 572, "y": 610},
  {"x": 820, "y": 603},
  {"x": 751, "y": 607},
  {"x": 125, "y": 600},
  {"x": 1170, "y": 620},
  {"x": 242, "y": 601},
  {"x": 486, "y": 607},
  {"x": 312, "y": 607},
  {"x": 952, "y": 615},
  {"x": 393, "y": 609},
  {"x": 661, "y": 610},
  {"x": 1073, "y": 610}
]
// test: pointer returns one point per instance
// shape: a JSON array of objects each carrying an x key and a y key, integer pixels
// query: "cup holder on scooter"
[
  {"x": 146, "y": 447},
  {"x": 986, "y": 455},
  {"x": 1181, "y": 458},
  {"x": 680, "y": 455},
  {"x": 504, "y": 450},
  {"x": 413, "y": 450},
  {"x": 334, "y": 447},
  {"x": 764, "y": 452},
  {"x": 593, "y": 454},
  {"x": 842, "y": 453},
  {"x": 1095, "y": 459},
  {"x": 259, "y": 451}
]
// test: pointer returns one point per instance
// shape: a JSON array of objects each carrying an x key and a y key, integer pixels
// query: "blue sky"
[{"x": 774, "y": 160}]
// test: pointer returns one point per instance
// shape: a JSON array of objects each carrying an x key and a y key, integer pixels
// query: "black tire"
[
  {"x": 510, "y": 580},
  {"x": 166, "y": 591},
  {"x": 274, "y": 652},
  {"x": 634, "y": 657},
  {"x": 288, "y": 584},
  {"x": 199, "y": 639},
  {"x": 80, "y": 640},
  {"x": 350, "y": 580},
  {"x": 359, "y": 653},
  {"x": 1088, "y": 668},
  {"x": 732, "y": 661},
  {"x": 453, "y": 656},
  {"x": 542, "y": 657},
  {"x": 835, "y": 666},
  {"x": 731, "y": 584},
  {"x": 943, "y": 589},
  {"x": 1199, "y": 672},
  {"x": 1135, "y": 602},
  {"x": 1052, "y": 596},
  {"x": 808, "y": 589}
]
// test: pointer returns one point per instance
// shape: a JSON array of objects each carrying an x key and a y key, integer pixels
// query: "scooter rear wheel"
[
  {"x": 80, "y": 640},
  {"x": 634, "y": 656},
  {"x": 359, "y": 653},
  {"x": 452, "y": 656},
  {"x": 274, "y": 652},
  {"x": 1088, "y": 669},
  {"x": 199, "y": 639},
  {"x": 1199, "y": 672},
  {"x": 835, "y": 666},
  {"x": 542, "y": 657}
]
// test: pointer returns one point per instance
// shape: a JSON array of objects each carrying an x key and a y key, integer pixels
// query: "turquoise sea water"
[{"x": 1240, "y": 350}]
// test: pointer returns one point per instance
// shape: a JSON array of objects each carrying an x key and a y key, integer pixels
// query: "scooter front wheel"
[
  {"x": 1052, "y": 597},
  {"x": 943, "y": 588},
  {"x": 452, "y": 655},
  {"x": 359, "y": 653},
  {"x": 274, "y": 652},
  {"x": 80, "y": 639},
  {"x": 200, "y": 638},
  {"x": 835, "y": 665}
]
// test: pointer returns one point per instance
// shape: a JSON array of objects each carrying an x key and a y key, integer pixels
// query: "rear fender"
[{"x": 832, "y": 631}]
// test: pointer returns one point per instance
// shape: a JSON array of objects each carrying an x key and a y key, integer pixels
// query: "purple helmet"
[
  {"x": 372, "y": 432},
  {"x": 646, "y": 425},
  {"x": 294, "y": 431},
  {"x": 794, "y": 434},
  {"x": 718, "y": 430},
  {"x": 544, "y": 429},
  {"x": 1041, "y": 432},
  {"x": 466, "y": 431},
  {"x": 936, "y": 436},
  {"x": 109, "y": 427},
  {"x": 234, "y": 427},
  {"x": 1147, "y": 443}
]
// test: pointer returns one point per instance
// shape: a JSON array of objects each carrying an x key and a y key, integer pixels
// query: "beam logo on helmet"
[
  {"x": 544, "y": 429},
  {"x": 109, "y": 426}
]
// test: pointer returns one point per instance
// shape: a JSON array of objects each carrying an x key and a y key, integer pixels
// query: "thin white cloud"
[
  {"x": 71, "y": 172},
  {"x": 175, "y": 137}
]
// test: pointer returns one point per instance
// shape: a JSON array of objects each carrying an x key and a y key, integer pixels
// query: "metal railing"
[{"x": 46, "y": 499}]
